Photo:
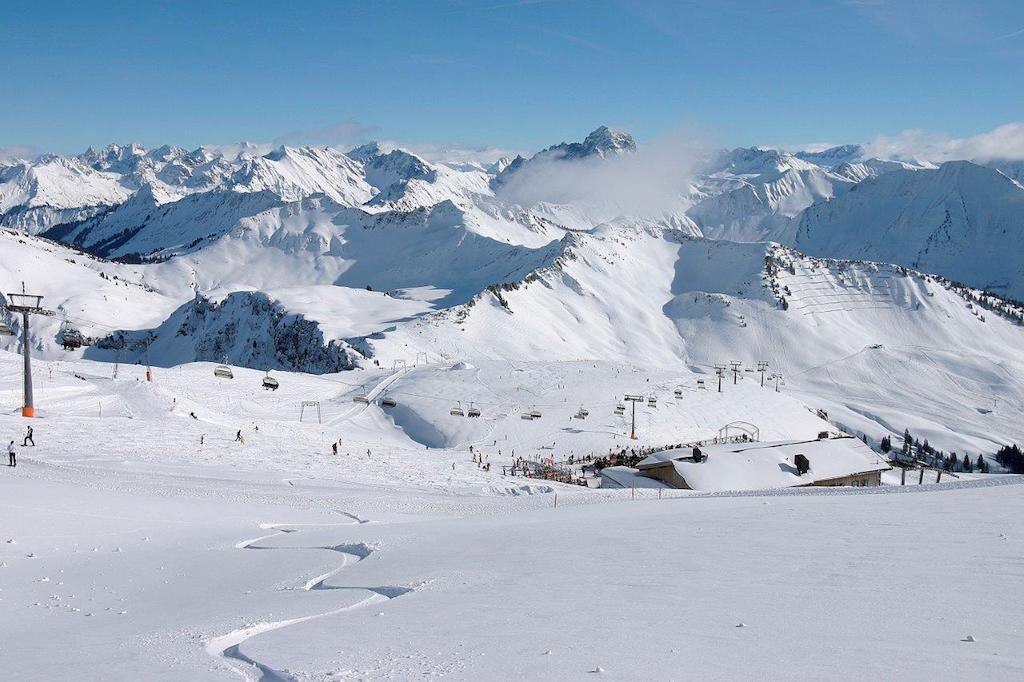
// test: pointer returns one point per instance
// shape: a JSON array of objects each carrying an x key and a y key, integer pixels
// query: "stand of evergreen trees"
[
  {"x": 1012, "y": 458},
  {"x": 913, "y": 450}
]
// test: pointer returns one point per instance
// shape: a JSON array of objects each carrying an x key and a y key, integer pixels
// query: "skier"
[
  {"x": 12, "y": 458},
  {"x": 28, "y": 438},
  {"x": 334, "y": 449},
  {"x": 238, "y": 437}
]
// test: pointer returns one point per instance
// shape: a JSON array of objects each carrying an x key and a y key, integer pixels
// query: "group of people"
[
  {"x": 480, "y": 459},
  {"x": 12, "y": 454}
]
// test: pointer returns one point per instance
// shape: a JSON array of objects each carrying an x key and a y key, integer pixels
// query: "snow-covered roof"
[
  {"x": 627, "y": 477},
  {"x": 752, "y": 466}
]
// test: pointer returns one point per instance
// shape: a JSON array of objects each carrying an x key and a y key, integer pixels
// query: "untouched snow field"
[{"x": 130, "y": 551}]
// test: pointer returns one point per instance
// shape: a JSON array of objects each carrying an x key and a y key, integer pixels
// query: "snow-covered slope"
[
  {"x": 663, "y": 300},
  {"x": 90, "y": 296},
  {"x": 961, "y": 220},
  {"x": 293, "y": 173},
  {"x": 54, "y": 188},
  {"x": 752, "y": 194},
  {"x": 145, "y": 226}
]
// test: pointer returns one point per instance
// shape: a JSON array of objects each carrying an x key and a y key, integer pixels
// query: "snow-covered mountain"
[
  {"x": 318, "y": 260},
  {"x": 54, "y": 189},
  {"x": 754, "y": 194},
  {"x": 601, "y": 143},
  {"x": 961, "y": 220},
  {"x": 295, "y": 173}
]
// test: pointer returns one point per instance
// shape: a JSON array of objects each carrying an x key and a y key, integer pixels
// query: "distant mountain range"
[{"x": 195, "y": 227}]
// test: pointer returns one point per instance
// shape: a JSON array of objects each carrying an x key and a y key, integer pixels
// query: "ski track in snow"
[{"x": 228, "y": 647}]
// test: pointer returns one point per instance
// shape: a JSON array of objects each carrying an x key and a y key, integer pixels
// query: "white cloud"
[
  {"x": 339, "y": 133},
  {"x": 1005, "y": 143},
  {"x": 17, "y": 152},
  {"x": 455, "y": 154},
  {"x": 651, "y": 182}
]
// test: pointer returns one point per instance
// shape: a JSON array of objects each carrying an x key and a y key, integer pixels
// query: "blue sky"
[{"x": 520, "y": 75}]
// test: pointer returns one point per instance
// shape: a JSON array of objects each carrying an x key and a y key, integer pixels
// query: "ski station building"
[{"x": 840, "y": 461}]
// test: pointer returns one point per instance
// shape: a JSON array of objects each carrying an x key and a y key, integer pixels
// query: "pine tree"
[
  {"x": 982, "y": 464},
  {"x": 951, "y": 462},
  {"x": 886, "y": 444},
  {"x": 967, "y": 464}
]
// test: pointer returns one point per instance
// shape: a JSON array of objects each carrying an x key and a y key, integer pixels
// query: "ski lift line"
[{"x": 829, "y": 363}]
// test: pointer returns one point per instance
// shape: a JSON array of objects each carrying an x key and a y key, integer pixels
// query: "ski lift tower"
[
  {"x": 633, "y": 399},
  {"x": 719, "y": 372},
  {"x": 27, "y": 304},
  {"x": 762, "y": 367}
]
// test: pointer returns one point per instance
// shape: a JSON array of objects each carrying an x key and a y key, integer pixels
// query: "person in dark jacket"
[{"x": 28, "y": 438}]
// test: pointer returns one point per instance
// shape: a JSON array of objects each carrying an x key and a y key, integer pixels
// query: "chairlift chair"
[
  {"x": 457, "y": 411},
  {"x": 362, "y": 399},
  {"x": 678, "y": 392},
  {"x": 700, "y": 384},
  {"x": 6, "y": 330},
  {"x": 526, "y": 415},
  {"x": 582, "y": 413},
  {"x": 223, "y": 371},
  {"x": 472, "y": 411},
  {"x": 270, "y": 383},
  {"x": 535, "y": 413},
  {"x": 388, "y": 402},
  {"x": 620, "y": 409},
  {"x": 652, "y": 401}
]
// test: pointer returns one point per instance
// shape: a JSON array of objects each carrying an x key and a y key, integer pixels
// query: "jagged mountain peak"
[{"x": 604, "y": 140}]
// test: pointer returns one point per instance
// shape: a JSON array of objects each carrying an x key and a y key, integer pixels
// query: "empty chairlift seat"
[
  {"x": 457, "y": 411},
  {"x": 387, "y": 401},
  {"x": 678, "y": 392},
  {"x": 652, "y": 401},
  {"x": 535, "y": 413},
  {"x": 223, "y": 371},
  {"x": 365, "y": 400}
]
